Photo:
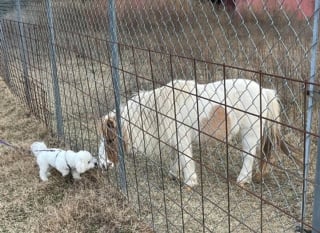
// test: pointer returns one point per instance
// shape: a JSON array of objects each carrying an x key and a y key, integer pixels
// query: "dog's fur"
[
  {"x": 65, "y": 161},
  {"x": 178, "y": 111}
]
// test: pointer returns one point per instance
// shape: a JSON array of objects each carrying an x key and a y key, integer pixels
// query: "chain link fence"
[{"x": 72, "y": 62}]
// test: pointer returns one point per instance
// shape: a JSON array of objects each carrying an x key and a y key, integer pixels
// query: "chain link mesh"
[{"x": 160, "y": 41}]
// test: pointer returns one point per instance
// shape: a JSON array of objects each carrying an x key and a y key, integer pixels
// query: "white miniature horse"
[{"x": 176, "y": 113}]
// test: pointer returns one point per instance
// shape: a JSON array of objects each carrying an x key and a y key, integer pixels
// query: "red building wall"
[{"x": 301, "y": 8}]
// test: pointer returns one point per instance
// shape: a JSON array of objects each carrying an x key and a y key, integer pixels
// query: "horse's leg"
[
  {"x": 186, "y": 163},
  {"x": 102, "y": 154},
  {"x": 174, "y": 169},
  {"x": 250, "y": 140},
  {"x": 266, "y": 158}
]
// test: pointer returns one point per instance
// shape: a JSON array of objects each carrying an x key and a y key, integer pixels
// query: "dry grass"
[
  {"x": 60, "y": 205},
  {"x": 86, "y": 90},
  {"x": 158, "y": 199}
]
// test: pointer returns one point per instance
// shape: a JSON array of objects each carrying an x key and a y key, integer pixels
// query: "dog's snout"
[{"x": 96, "y": 164}]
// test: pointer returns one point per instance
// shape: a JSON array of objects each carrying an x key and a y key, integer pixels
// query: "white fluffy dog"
[{"x": 63, "y": 160}]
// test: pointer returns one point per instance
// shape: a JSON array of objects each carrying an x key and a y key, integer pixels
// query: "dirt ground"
[{"x": 61, "y": 204}]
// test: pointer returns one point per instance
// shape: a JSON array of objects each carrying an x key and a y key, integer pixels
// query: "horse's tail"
[
  {"x": 271, "y": 138},
  {"x": 273, "y": 112}
]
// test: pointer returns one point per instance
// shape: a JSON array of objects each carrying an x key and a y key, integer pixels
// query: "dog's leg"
[
  {"x": 64, "y": 172},
  {"x": 249, "y": 144},
  {"x": 43, "y": 173},
  {"x": 48, "y": 171},
  {"x": 75, "y": 175}
]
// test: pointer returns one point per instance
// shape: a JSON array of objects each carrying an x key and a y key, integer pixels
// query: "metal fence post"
[
  {"x": 116, "y": 86},
  {"x": 54, "y": 73},
  {"x": 4, "y": 49},
  {"x": 23, "y": 54},
  {"x": 315, "y": 39},
  {"x": 316, "y": 202},
  {"x": 313, "y": 68}
]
